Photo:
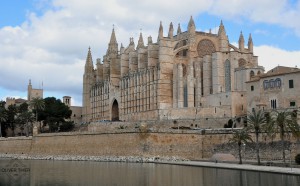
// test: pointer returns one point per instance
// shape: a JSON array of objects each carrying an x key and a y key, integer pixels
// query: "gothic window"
[
  {"x": 242, "y": 62},
  {"x": 183, "y": 70},
  {"x": 185, "y": 95},
  {"x": 266, "y": 84},
  {"x": 227, "y": 76},
  {"x": 278, "y": 82},
  {"x": 258, "y": 73},
  {"x": 272, "y": 83},
  {"x": 251, "y": 74},
  {"x": 205, "y": 47}
]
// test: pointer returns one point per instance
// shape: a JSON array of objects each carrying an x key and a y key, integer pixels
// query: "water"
[{"x": 48, "y": 172}]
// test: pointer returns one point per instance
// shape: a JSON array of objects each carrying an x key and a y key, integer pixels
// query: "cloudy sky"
[{"x": 47, "y": 40}]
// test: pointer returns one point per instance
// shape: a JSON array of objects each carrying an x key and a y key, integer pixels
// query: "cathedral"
[{"x": 187, "y": 75}]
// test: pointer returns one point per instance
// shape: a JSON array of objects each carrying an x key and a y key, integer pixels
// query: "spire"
[
  {"x": 191, "y": 26},
  {"x": 113, "y": 37},
  {"x": 178, "y": 29},
  {"x": 171, "y": 30},
  {"x": 161, "y": 31},
  {"x": 29, "y": 81},
  {"x": 113, "y": 45},
  {"x": 241, "y": 41},
  {"x": 140, "y": 42},
  {"x": 222, "y": 32},
  {"x": 250, "y": 44},
  {"x": 89, "y": 61}
]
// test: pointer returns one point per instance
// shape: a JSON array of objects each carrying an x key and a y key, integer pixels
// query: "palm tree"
[
  {"x": 240, "y": 137},
  {"x": 3, "y": 118},
  {"x": 256, "y": 121},
  {"x": 37, "y": 104},
  {"x": 283, "y": 122}
]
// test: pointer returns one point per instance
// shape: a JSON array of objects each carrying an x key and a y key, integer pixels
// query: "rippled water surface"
[{"x": 48, "y": 172}]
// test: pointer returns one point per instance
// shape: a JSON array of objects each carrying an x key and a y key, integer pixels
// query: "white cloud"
[
  {"x": 270, "y": 57},
  {"x": 279, "y": 12},
  {"x": 52, "y": 47}
]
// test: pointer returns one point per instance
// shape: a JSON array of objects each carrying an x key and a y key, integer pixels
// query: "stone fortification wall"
[
  {"x": 191, "y": 144},
  {"x": 107, "y": 144}
]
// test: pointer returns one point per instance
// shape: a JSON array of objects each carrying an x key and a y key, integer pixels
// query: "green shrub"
[{"x": 297, "y": 159}]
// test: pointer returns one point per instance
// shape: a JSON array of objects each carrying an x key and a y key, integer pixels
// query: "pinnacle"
[
  {"x": 191, "y": 22},
  {"x": 178, "y": 29},
  {"x": 113, "y": 37}
]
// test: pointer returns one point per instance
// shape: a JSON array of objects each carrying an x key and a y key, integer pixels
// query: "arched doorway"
[{"x": 115, "y": 111}]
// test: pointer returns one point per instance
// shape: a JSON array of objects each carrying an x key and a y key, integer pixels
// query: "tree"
[
  {"x": 38, "y": 104},
  {"x": 282, "y": 122},
  {"x": 55, "y": 113},
  {"x": 3, "y": 118},
  {"x": 256, "y": 121},
  {"x": 240, "y": 137},
  {"x": 11, "y": 117},
  {"x": 25, "y": 118}
]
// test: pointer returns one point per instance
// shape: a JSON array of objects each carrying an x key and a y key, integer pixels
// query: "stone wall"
[
  {"x": 193, "y": 145},
  {"x": 107, "y": 144}
]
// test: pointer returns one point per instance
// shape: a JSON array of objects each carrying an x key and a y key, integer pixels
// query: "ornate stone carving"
[
  {"x": 242, "y": 62},
  {"x": 205, "y": 47}
]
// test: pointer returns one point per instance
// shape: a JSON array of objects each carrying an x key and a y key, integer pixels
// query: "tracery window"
[
  {"x": 227, "y": 76},
  {"x": 205, "y": 47}
]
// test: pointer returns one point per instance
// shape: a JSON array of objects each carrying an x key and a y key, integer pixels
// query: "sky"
[{"x": 47, "y": 40}]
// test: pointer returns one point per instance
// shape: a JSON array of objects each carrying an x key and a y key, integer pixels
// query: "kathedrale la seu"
[{"x": 190, "y": 75}]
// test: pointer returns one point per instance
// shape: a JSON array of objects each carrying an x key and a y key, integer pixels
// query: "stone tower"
[{"x": 88, "y": 80}]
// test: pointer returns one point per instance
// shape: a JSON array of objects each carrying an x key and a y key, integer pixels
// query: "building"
[
  {"x": 279, "y": 88},
  {"x": 31, "y": 93},
  {"x": 189, "y": 75},
  {"x": 76, "y": 116},
  {"x": 14, "y": 101}
]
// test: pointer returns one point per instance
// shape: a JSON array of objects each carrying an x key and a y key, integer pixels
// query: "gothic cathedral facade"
[{"x": 189, "y": 75}]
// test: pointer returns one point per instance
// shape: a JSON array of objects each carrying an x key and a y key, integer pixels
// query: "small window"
[
  {"x": 291, "y": 83},
  {"x": 251, "y": 74},
  {"x": 292, "y": 104},
  {"x": 252, "y": 88}
]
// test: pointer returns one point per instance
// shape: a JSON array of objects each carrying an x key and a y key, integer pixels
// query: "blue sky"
[{"x": 47, "y": 40}]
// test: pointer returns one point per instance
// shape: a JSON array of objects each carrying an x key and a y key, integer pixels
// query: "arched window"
[
  {"x": 266, "y": 84},
  {"x": 251, "y": 74},
  {"x": 227, "y": 76},
  {"x": 278, "y": 82},
  {"x": 185, "y": 95}
]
